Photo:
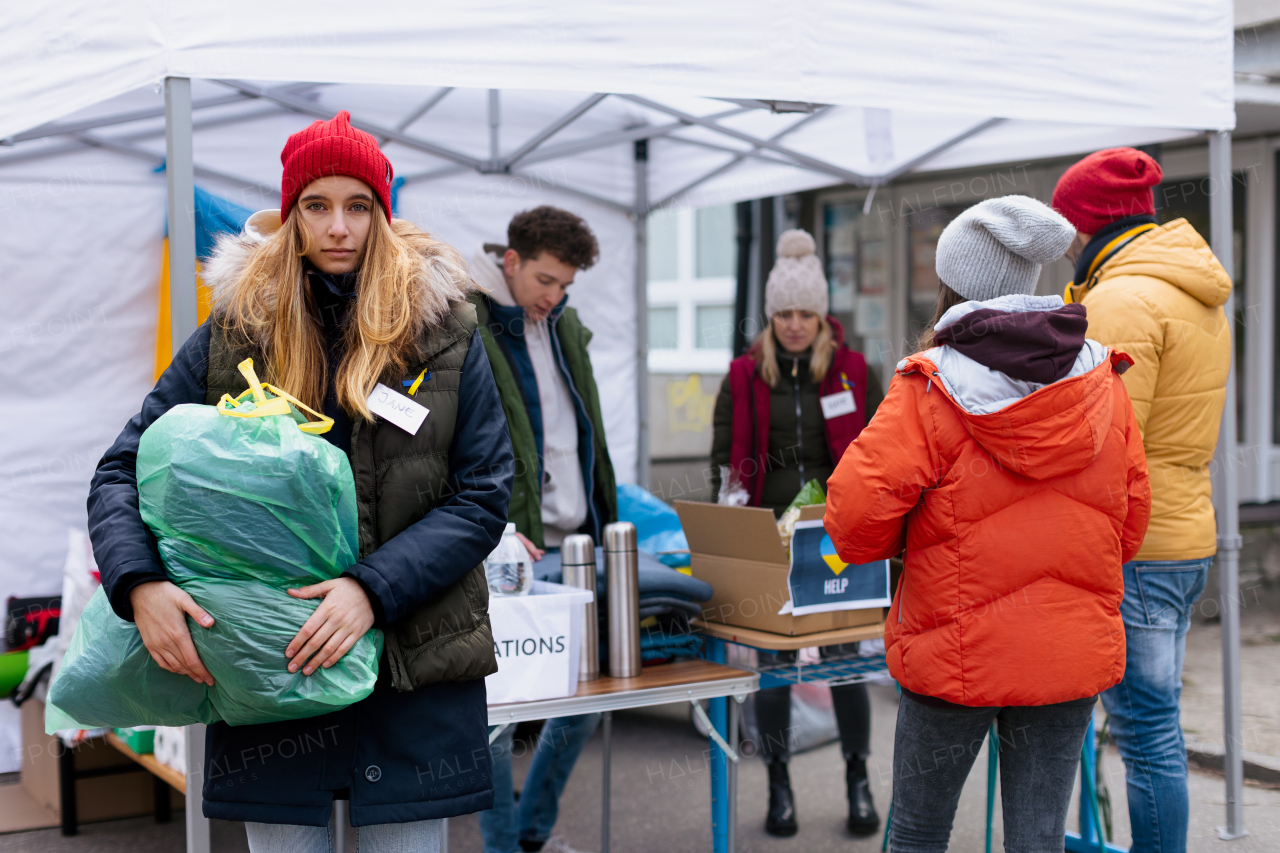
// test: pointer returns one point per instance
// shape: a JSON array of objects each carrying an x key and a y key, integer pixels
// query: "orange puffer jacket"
[{"x": 1015, "y": 523}]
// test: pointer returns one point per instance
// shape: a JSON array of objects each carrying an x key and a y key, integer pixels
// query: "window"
[
  {"x": 922, "y": 282},
  {"x": 714, "y": 326},
  {"x": 663, "y": 245},
  {"x": 690, "y": 312},
  {"x": 856, "y": 254},
  {"x": 664, "y": 327},
  {"x": 717, "y": 242}
]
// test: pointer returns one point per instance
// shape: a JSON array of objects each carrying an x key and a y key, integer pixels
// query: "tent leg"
[
  {"x": 1228, "y": 507},
  {"x": 641, "y": 217},
  {"x": 180, "y": 178},
  {"x": 197, "y": 823}
]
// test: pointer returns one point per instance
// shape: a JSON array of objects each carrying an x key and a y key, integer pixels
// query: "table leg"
[
  {"x": 160, "y": 791},
  {"x": 67, "y": 788},
  {"x": 340, "y": 825},
  {"x": 608, "y": 756},
  {"x": 197, "y": 823},
  {"x": 735, "y": 708},
  {"x": 718, "y": 711}
]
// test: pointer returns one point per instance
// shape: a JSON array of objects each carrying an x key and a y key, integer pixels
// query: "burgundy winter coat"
[{"x": 750, "y": 393}]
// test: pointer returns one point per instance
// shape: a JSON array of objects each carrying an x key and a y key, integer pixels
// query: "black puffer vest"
[{"x": 399, "y": 479}]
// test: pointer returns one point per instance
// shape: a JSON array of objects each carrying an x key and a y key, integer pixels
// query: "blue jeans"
[
  {"x": 1144, "y": 706},
  {"x": 559, "y": 745},
  {"x": 419, "y": 836}
]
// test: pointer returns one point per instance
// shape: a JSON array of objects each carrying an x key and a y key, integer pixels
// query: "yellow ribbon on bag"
[{"x": 280, "y": 403}]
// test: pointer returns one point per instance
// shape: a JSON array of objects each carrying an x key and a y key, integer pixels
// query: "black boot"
[
  {"x": 863, "y": 819},
  {"x": 781, "y": 819}
]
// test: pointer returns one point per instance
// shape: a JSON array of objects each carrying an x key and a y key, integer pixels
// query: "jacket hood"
[
  {"x": 486, "y": 267},
  {"x": 443, "y": 277},
  {"x": 1039, "y": 430},
  {"x": 1032, "y": 338},
  {"x": 1175, "y": 253}
]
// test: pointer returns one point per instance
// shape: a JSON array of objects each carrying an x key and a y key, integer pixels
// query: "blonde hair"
[
  {"x": 765, "y": 350},
  {"x": 269, "y": 304}
]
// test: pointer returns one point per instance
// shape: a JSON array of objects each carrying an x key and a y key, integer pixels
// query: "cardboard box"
[
  {"x": 738, "y": 552},
  {"x": 97, "y": 798}
]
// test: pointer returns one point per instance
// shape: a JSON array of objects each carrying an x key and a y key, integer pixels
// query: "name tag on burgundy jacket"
[{"x": 840, "y": 403}]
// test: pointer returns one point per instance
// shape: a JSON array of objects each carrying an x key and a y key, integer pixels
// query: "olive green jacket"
[
  {"x": 525, "y": 510},
  {"x": 399, "y": 478}
]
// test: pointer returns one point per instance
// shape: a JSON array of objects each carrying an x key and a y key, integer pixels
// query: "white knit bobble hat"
[
  {"x": 997, "y": 247},
  {"x": 796, "y": 282}
]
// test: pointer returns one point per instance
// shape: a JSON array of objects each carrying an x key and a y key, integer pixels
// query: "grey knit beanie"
[
  {"x": 796, "y": 281},
  {"x": 997, "y": 247}
]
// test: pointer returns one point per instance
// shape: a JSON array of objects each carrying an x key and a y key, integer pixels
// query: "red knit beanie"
[
  {"x": 1106, "y": 186},
  {"x": 333, "y": 148}
]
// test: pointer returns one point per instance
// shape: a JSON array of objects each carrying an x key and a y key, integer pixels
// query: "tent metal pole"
[
  {"x": 618, "y": 137},
  {"x": 422, "y": 110},
  {"x": 641, "y": 218},
  {"x": 54, "y": 129},
  {"x": 534, "y": 180},
  {"x": 197, "y": 823},
  {"x": 752, "y": 153},
  {"x": 554, "y": 128},
  {"x": 180, "y": 179},
  {"x": 736, "y": 159},
  {"x": 811, "y": 163},
  {"x": 147, "y": 157},
  {"x": 915, "y": 162},
  {"x": 1228, "y": 506},
  {"x": 494, "y": 123},
  {"x": 305, "y": 107}
]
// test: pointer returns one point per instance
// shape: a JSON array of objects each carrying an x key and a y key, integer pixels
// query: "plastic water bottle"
[{"x": 509, "y": 569}]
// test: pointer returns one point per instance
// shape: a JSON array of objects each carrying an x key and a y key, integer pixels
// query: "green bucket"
[{"x": 13, "y": 668}]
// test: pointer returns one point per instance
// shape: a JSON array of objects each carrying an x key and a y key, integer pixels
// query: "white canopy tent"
[{"x": 609, "y": 108}]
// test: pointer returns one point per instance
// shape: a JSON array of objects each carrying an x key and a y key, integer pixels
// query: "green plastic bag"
[
  {"x": 810, "y": 493},
  {"x": 243, "y": 508}
]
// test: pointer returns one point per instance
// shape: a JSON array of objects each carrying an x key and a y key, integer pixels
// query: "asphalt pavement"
[{"x": 661, "y": 801}]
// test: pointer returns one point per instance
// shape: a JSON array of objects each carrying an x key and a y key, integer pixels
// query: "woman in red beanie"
[{"x": 332, "y": 297}]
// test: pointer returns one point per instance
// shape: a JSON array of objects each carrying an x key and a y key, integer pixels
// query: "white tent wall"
[{"x": 81, "y": 241}]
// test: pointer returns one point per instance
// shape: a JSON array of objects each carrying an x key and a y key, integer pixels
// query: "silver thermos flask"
[
  {"x": 578, "y": 563},
  {"x": 622, "y": 589}
]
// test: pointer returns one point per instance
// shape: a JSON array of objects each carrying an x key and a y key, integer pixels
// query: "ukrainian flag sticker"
[
  {"x": 830, "y": 557},
  {"x": 820, "y": 581}
]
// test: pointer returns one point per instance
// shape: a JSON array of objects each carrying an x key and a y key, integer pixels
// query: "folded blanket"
[
  {"x": 662, "y": 605},
  {"x": 659, "y": 645},
  {"x": 655, "y": 578}
]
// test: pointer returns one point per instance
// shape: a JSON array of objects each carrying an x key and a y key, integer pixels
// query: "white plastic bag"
[{"x": 732, "y": 492}]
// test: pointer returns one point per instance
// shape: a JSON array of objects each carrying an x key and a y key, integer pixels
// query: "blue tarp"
[
  {"x": 657, "y": 526},
  {"x": 215, "y": 215}
]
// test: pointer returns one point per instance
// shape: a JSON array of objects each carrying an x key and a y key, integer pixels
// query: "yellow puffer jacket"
[{"x": 1160, "y": 300}]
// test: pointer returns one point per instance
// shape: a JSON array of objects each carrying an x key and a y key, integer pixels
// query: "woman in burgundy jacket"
[{"x": 784, "y": 416}]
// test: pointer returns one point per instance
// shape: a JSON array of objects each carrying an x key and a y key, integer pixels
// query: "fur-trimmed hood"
[{"x": 443, "y": 276}]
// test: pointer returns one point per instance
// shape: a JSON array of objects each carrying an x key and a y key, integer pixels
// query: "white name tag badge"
[
  {"x": 835, "y": 405},
  {"x": 397, "y": 409}
]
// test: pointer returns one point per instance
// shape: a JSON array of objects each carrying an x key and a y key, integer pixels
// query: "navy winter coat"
[{"x": 399, "y": 756}]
